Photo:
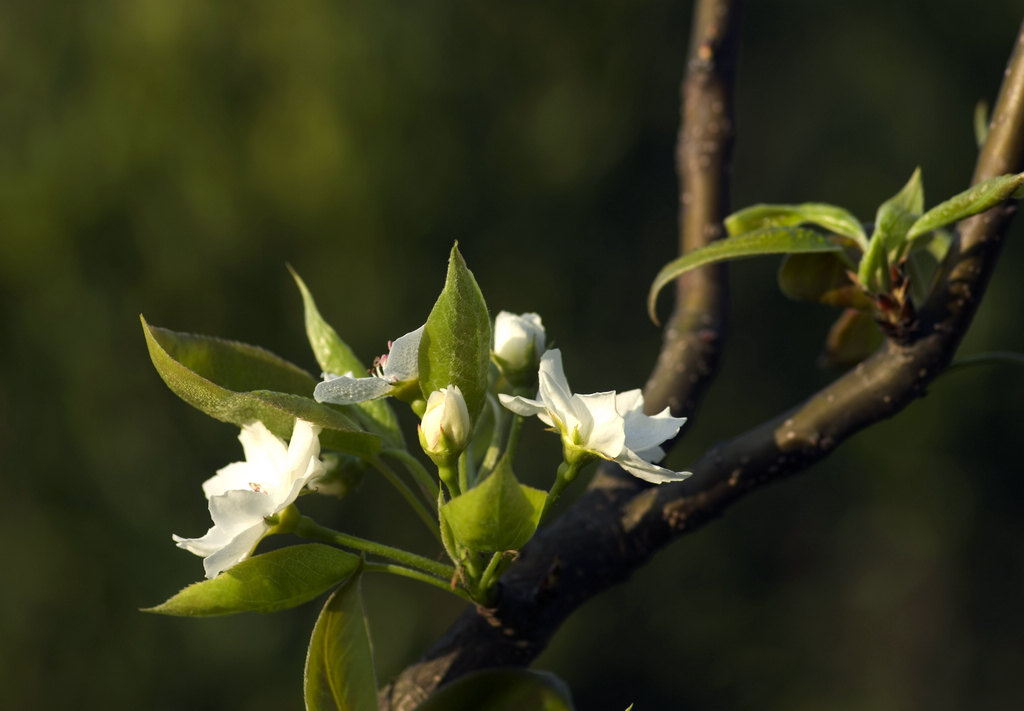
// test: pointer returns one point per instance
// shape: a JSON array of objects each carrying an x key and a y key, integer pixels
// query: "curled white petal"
[
  {"x": 645, "y": 433},
  {"x": 403, "y": 360},
  {"x": 647, "y": 471},
  {"x": 400, "y": 365}
]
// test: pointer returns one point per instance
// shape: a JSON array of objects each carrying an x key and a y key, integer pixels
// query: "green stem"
[
  {"x": 491, "y": 573},
  {"x": 408, "y": 494},
  {"x": 450, "y": 476},
  {"x": 419, "y": 472},
  {"x": 463, "y": 472},
  {"x": 308, "y": 528},
  {"x": 494, "y": 449},
  {"x": 417, "y": 575},
  {"x": 514, "y": 430},
  {"x": 566, "y": 473}
]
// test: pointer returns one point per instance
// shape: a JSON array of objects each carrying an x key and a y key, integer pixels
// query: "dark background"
[{"x": 170, "y": 158}]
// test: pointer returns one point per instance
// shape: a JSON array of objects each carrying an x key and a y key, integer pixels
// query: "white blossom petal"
[
  {"x": 243, "y": 494},
  {"x": 404, "y": 359},
  {"x": 644, "y": 433},
  {"x": 234, "y": 551},
  {"x": 642, "y": 469},
  {"x": 607, "y": 434},
  {"x": 610, "y": 425}
]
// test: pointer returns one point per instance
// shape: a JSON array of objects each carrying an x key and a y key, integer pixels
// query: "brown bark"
[{"x": 618, "y": 524}]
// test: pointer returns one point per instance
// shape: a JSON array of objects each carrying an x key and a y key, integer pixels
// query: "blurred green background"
[{"x": 169, "y": 158}]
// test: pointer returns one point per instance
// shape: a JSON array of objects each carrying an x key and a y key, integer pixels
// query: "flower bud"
[
  {"x": 518, "y": 342},
  {"x": 446, "y": 428}
]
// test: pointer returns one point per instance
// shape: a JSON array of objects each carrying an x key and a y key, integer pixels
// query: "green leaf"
[
  {"x": 339, "y": 673},
  {"x": 981, "y": 197},
  {"x": 499, "y": 514},
  {"x": 853, "y": 337},
  {"x": 821, "y": 277},
  {"x": 334, "y": 356},
  {"x": 832, "y": 217},
  {"x": 889, "y": 240},
  {"x": 237, "y": 383},
  {"x": 456, "y": 345},
  {"x": 503, "y": 689},
  {"x": 873, "y": 271},
  {"x": 896, "y": 215},
  {"x": 767, "y": 240},
  {"x": 264, "y": 583}
]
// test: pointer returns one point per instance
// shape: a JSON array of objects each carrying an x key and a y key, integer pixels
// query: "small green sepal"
[{"x": 499, "y": 514}]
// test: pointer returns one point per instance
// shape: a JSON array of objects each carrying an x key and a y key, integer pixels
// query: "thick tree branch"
[{"x": 614, "y": 528}]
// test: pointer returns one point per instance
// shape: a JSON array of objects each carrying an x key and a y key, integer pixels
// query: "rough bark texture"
[{"x": 618, "y": 524}]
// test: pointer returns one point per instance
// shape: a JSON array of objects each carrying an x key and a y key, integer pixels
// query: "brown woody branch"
[{"x": 616, "y": 526}]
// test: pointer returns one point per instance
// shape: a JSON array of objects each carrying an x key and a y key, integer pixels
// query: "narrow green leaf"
[
  {"x": 767, "y": 240},
  {"x": 499, "y": 514},
  {"x": 821, "y": 277},
  {"x": 911, "y": 195},
  {"x": 264, "y": 583},
  {"x": 983, "y": 196},
  {"x": 873, "y": 271},
  {"x": 237, "y": 383},
  {"x": 334, "y": 356},
  {"x": 503, "y": 689},
  {"x": 456, "y": 345},
  {"x": 832, "y": 217},
  {"x": 896, "y": 215},
  {"x": 339, "y": 673}
]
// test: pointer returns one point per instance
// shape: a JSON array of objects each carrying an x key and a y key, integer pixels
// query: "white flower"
[
  {"x": 400, "y": 365},
  {"x": 518, "y": 339},
  {"x": 609, "y": 425},
  {"x": 446, "y": 415},
  {"x": 243, "y": 494}
]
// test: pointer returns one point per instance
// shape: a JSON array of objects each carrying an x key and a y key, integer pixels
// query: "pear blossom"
[
  {"x": 609, "y": 425},
  {"x": 399, "y": 365},
  {"x": 446, "y": 426},
  {"x": 243, "y": 495},
  {"x": 518, "y": 340}
]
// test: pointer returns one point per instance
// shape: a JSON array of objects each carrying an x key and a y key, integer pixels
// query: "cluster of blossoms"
[{"x": 248, "y": 500}]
